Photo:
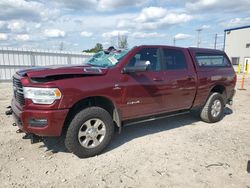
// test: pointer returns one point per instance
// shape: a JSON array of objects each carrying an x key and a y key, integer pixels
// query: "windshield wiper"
[{"x": 92, "y": 65}]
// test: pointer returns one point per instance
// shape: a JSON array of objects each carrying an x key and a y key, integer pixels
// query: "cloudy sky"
[{"x": 80, "y": 24}]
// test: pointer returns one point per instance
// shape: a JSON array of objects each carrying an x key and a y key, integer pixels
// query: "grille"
[{"x": 18, "y": 91}]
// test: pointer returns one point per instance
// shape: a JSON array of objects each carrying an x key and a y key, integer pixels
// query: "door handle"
[
  {"x": 158, "y": 79},
  {"x": 190, "y": 77}
]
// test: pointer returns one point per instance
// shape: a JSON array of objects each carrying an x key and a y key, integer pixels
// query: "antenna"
[
  {"x": 215, "y": 41},
  {"x": 198, "y": 37}
]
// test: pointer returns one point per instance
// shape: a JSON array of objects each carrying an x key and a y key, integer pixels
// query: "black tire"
[
  {"x": 206, "y": 112},
  {"x": 196, "y": 112},
  {"x": 72, "y": 142}
]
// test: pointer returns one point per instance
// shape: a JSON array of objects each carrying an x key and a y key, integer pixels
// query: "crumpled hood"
[{"x": 43, "y": 72}]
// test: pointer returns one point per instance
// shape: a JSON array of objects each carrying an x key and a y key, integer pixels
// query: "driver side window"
[{"x": 147, "y": 56}]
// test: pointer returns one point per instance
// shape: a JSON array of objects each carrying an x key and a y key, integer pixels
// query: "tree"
[
  {"x": 98, "y": 47},
  {"x": 123, "y": 41}
]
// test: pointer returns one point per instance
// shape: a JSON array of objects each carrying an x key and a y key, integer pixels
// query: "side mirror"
[{"x": 141, "y": 68}]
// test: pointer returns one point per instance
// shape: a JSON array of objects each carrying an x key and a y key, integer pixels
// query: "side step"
[{"x": 156, "y": 118}]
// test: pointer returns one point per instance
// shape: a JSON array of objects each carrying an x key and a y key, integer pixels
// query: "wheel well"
[
  {"x": 220, "y": 89},
  {"x": 99, "y": 101}
]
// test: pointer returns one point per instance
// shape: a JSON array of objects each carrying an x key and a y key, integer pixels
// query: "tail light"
[{"x": 235, "y": 79}]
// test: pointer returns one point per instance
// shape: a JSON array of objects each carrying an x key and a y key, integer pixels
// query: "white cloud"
[
  {"x": 54, "y": 33},
  {"x": 115, "y": 33},
  {"x": 49, "y": 14},
  {"x": 3, "y": 36},
  {"x": 38, "y": 25},
  {"x": 126, "y": 23},
  {"x": 2, "y": 24},
  {"x": 182, "y": 36},
  {"x": 151, "y": 13},
  {"x": 27, "y": 10},
  {"x": 215, "y": 5},
  {"x": 16, "y": 26},
  {"x": 116, "y": 4},
  {"x": 23, "y": 37},
  {"x": 86, "y": 34},
  {"x": 142, "y": 35},
  {"x": 238, "y": 22},
  {"x": 205, "y": 27},
  {"x": 77, "y": 4},
  {"x": 101, "y": 5},
  {"x": 168, "y": 20},
  {"x": 154, "y": 18},
  {"x": 19, "y": 9},
  {"x": 139, "y": 19},
  {"x": 175, "y": 18}
]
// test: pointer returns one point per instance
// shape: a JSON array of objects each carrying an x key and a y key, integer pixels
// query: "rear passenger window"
[
  {"x": 173, "y": 60},
  {"x": 212, "y": 60}
]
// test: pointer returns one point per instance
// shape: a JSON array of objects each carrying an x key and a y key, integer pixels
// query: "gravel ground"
[{"x": 174, "y": 152}]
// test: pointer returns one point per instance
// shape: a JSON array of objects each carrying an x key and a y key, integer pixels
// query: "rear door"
[{"x": 180, "y": 79}]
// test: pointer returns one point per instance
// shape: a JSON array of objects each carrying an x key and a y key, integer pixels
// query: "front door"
[{"x": 143, "y": 91}]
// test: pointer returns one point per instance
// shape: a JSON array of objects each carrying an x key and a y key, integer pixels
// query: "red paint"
[{"x": 157, "y": 91}]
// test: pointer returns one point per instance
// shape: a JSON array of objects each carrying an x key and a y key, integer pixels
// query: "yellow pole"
[
  {"x": 239, "y": 67},
  {"x": 247, "y": 68}
]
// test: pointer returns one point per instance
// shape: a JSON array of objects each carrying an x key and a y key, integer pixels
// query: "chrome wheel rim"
[
  {"x": 92, "y": 133},
  {"x": 216, "y": 108}
]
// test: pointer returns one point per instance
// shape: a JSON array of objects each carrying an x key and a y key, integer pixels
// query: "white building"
[{"x": 237, "y": 46}]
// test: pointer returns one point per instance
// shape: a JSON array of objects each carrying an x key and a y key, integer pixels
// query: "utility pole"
[
  {"x": 174, "y": 41},
  {"x": 198, "y": 37},
  {"x": 61, "y": 46},
  {"x": 215, "y": 41}
]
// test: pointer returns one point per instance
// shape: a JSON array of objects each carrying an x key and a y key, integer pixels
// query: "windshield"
[{"x": 107, "y": 58}]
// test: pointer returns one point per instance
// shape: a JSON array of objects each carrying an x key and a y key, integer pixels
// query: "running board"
[{"x": 156, "y": 118}]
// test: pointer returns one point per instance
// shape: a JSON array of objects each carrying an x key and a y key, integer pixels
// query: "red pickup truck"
[{"x": 120, "y": 87}]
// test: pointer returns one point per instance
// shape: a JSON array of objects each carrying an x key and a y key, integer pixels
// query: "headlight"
[{"x": 42, "y": 95}]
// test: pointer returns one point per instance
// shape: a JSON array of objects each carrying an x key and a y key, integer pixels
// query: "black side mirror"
[{"x": 141, "y": 68}]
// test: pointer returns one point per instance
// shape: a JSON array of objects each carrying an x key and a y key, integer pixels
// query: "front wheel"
[
  {"x": 89, "y": 132},
  {"x": 213, "y": 110}
]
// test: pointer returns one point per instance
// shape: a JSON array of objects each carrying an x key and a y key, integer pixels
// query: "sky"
[{"x": 77, "y": 25}]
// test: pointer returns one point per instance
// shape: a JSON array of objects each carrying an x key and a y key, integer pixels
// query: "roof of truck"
[
  {"x": 205, "y": 50},
  {"x": 190, "y": 48}
]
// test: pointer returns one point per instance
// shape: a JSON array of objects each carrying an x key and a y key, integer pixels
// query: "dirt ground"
[{"x": 174, "y": 152}]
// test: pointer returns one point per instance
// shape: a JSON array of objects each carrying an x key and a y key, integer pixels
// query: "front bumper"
[{"x": 55, "y": 120}]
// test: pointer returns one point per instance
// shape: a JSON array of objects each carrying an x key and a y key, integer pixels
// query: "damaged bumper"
[{"x": 39, "y": 122}]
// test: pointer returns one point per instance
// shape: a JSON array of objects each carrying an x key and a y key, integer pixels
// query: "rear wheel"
[
  {"x": 213, "y": 110},
  {"x": 89, "y": 132}
]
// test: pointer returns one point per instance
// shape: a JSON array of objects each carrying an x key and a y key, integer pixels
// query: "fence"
[{"x": 12, "y": 59}]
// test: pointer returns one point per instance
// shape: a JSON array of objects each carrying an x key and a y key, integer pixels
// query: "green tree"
[
  {"x": 123, "y": 41},
  {"x": 98, "y": 47}
]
